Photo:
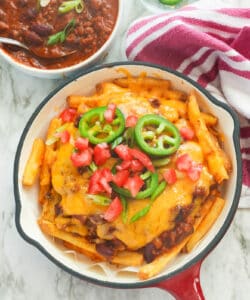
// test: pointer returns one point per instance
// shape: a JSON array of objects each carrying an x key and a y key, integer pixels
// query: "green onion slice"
[
  {"x": 67, "y": 6},
  {"x": 100, "y": 200},
  {"x": 61, "y": 36}
]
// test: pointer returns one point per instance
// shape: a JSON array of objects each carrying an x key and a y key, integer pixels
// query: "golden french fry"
[
  {"x": 128, "y": 258},
  {"x": 75, "y": 100},
  {"x": 43, "y": 191},
  {"x": 91, "y": 255},
  {"x": 71, "y": 225},
  {"x": 109, "y": 88},
  {"x": 54, "y": 124},
  {"x": 209, "y": 119},
  {"x": 156, "y": 266},
  {"x": 218, "y": 163},
  {"x": 49, "y": 158},
  {"x": 134, "y": 83},
  {"x": 206, "y": 223},
  {"x": 34, "y": 162},
  {"x": 50, "y": 206},
  {"x": 79, "y": 243},
  {"x": 49, "y": 155}
]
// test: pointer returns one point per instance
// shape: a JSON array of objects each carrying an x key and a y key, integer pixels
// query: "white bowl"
[
  {"x": 28, "y": 210},
  {"x": 98, "y": 56}
]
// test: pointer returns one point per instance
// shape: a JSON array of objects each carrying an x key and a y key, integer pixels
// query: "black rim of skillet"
[{"x": 200, "y": 255}]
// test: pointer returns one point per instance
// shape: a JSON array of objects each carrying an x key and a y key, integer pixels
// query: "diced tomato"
[
  {"x": 114, "y": 210},
  {"x": 94, "y": 183},
  {"x": 99, "y": 181},
  {"x": 81, "y": 159},
  {"x": 170, "y": 176},
  {"x": 104, "y": 183},
  {"x": 81, "y": 143},
  {"x": 131, "y": 121},
  {"x": 134, "y": 184},
  {"x": 194, "y": 171},
  {"x": 183, "y": 162},
  {"x": 106, "y": 177},
  {"x": 106, "y": 173},
  {"x": 187, "y": 133},
  {"x": 136, "y": 165},
  {"x": 68, "y": 115},
  {"x": 143, "y": 158},
  {"x": 121, "y": 177},
  {"x": 109, "y": 114},
  {"x": 123, "y": 152},
  {"x": 125, "y": 165},
  {"x": 101, "y": 154},
  {"x": 64, "y": 136}
]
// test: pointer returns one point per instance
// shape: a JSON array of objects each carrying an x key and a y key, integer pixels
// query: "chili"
[
  {"x": 157, "y": 136},
  {"x": 94, "y": 126},
  {"x": 35, "y": 25}
]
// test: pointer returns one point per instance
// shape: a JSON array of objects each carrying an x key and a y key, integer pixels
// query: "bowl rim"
[
  {"x": 201, "y": 255},
  {"x": 71, "y": 68}
]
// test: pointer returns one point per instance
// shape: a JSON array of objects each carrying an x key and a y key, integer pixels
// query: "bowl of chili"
[
  {"x": 63, "y": 36},
  {"x": 181, "y": 277}
]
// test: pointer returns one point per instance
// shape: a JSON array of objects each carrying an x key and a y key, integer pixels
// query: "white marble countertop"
[{"x": 26, "y": 274}]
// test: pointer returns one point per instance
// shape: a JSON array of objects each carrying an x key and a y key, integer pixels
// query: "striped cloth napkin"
[{"x": 212, "y": 46}]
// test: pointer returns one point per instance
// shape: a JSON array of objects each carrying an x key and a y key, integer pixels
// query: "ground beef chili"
[{"x": 28, "y": 22}]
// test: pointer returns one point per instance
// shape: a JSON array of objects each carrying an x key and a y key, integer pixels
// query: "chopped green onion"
[
  {"x": 116, "y": 142},
  {"x": 161, "y": 187},
  {"x": 67, "y": 6},
  {"x": 55, "y": 138},
  {"x": 141, "y": 213},
  {"x": 93, "y": 167},
  {"x": 145, "y": 175},
  {"x": 161, "y": 162},
  {"x": 129, "y": 137},
  {"x": 170, "y": 2},
  {"x": 100, "y": 200},
  {"x": 61, "y": 36},
  {"x": 51, "y": 140},
  {"x": 124, "y": 209},
  {"x": 61, "y": 128}
]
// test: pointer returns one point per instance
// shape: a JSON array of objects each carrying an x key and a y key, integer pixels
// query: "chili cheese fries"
[{"x": 130, "y": 175}]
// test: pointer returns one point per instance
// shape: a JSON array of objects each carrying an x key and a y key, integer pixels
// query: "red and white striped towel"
[{"x": 212, "y": 46}]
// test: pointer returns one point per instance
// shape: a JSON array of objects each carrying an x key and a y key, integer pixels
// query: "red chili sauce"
[{"x": 51, "y": 33}]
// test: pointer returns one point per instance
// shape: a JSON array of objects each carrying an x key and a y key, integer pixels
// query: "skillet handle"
[{"x": 185, "y": 285}]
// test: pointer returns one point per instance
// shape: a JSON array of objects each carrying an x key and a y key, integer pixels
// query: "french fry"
[
  {"x": 128, "y": 258},
  {"x": 50, "y": 206},
  {"x": 91, "y": 255},
  {"x": 34, "y": 163},
  {"x": 72, "y": 225},
  {"x": 109, "y": 88},
  {"x": 206, "y": 223},
  {"x": 134, "y": 83},
  {"x": 218, "y": 163},
  {"x": 49, "y": 154},
  {"x": 75, "y": 100},
  {"x": 209, "y": 119},
  {"x": 79, "y": 242},
  {"x": 43, "y": 191},
  {"x": 156, "y": 266}
]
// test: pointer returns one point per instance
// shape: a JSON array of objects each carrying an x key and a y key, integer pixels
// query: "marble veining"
[{"x": 26, "y": 274}]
